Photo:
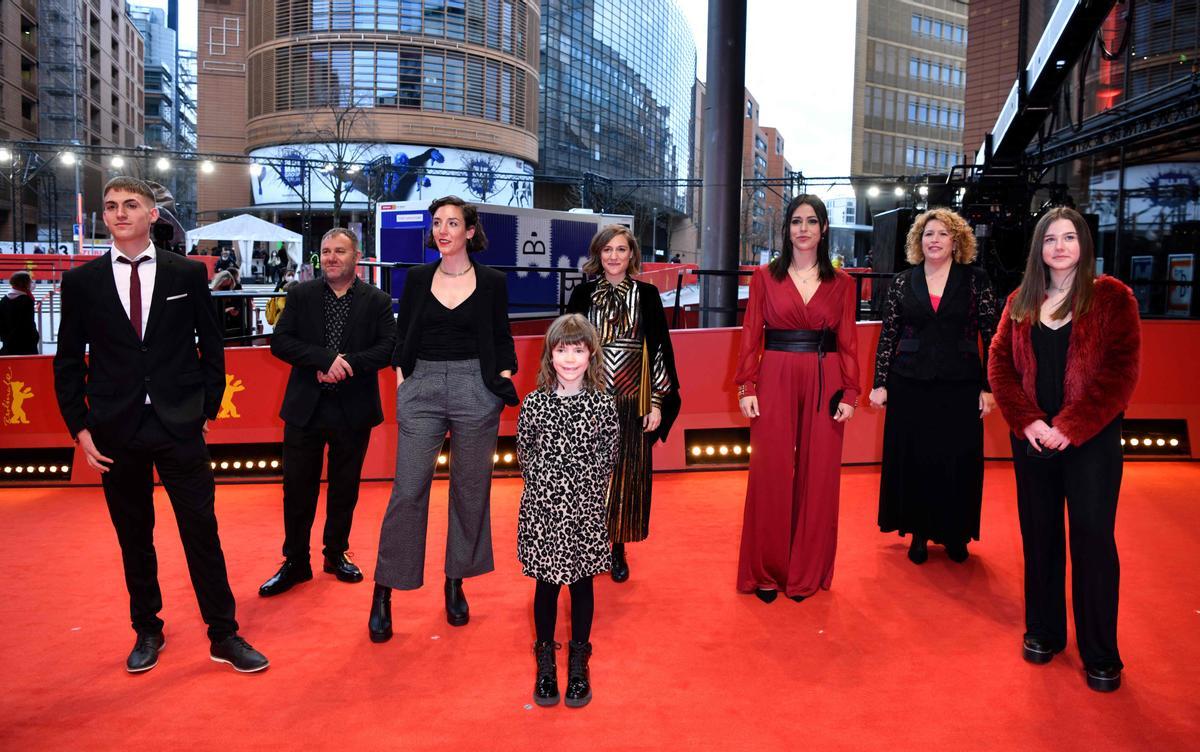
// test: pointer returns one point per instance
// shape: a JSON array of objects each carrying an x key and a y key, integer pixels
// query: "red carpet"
[{"x": 895, "y": 656}]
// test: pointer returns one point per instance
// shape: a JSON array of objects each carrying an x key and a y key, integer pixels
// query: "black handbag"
[{"x": 833, "y": 402}]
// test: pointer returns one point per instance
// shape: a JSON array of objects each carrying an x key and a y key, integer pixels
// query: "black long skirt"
[{"x": 932, "y": 479}]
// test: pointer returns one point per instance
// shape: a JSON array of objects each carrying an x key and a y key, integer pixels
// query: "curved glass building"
[
  {"x": 450, "y": 84},
  {"x": 617, "y": 87}
]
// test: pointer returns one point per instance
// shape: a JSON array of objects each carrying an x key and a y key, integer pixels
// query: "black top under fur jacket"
[
  {"x": 658, "y": 337},
  {"x": 496, "y": 349},
  {"x": 918, "y": 343}
]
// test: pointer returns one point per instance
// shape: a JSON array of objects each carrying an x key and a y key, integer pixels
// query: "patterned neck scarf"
[{"x": 611, "y": 302}]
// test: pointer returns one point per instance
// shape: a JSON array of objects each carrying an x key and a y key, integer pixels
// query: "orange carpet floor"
[{"x": 894, "y": 657}]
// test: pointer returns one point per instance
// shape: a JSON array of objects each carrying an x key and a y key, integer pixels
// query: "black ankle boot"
[
  {"x": 957, "y": 552},
  {"x": 918, "y": 552},
  {"x": 620, "y": 567},
  {"x": 457, "y": 611},
  {"x": 579, "y": 688},
  {"x": 380, "y": 622},
  {"x": 545, "y": 687}
]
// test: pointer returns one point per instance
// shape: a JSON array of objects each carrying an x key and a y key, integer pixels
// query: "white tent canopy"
[{"x": 244, "y": 229}]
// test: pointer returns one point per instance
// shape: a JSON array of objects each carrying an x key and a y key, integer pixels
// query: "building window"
[
  {"x": 759, "y": 144},
  {"x": 749, "y": 109},
  {"x": 779, "y": 145}
]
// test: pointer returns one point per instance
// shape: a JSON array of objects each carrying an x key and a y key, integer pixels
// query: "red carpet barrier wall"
[{"x": 255, "y": 382}]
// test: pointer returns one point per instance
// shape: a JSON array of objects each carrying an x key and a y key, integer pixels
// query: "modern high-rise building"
[
  {"x": 617, "y": 83},
  {"x": 909, "y": 86},
  {"x": 90, "y": 93},
  {"x": 170, "y": 105},
  {"x": 765, "y": 194},
  {"x": 344, "y": 101},
  {"x": 19, "y": 39}
]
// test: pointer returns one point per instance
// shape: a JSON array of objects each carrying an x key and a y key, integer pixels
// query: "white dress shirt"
[
  {"x": 146, "y": 273},
  {"x": 122, "y": 273}
]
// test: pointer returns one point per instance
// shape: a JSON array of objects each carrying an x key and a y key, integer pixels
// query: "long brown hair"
[
  {"x": 778, "y": 266},
  {"x": 571, "y": 329},
  {"x": 593, "y": 268},
  {"x": 1027, "y": 303}
]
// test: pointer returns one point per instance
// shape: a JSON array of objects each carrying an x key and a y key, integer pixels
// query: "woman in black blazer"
[
  {"x": 930, "y": 373},
  {"x": 639, "y": 366},
  {"x": 454, "y": 362}
]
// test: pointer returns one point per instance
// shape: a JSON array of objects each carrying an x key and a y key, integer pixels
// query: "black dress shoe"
[
  {"x": 798, "y": 598},
  {"x": 545, "y": 687},
  {"x": 766, "y": 596},
  {"x": 380, "y": 623},
  {"x": 620, "y": 567},
  {"x": 1105, "y": 677},
  {"x": 291, "y": 573},
  {"x": 341, "y": 567},
  {"x": 918, "y": 552},
  {"x": 457, "y": 611},
  {"x": 579, "y": 686},
  {"x": 957, "y": 552},
  {"x": 1036, "y": 650},
  {"x": 237, "y": 653},
  {"x": 144, "y": 655}
]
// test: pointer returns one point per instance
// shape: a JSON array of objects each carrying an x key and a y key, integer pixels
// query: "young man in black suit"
[
  {"x": 336, "y": 333},
  {"x": 141, "y": 401}
]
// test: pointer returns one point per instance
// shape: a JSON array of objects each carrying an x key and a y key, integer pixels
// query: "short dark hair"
[
  {"x": 130, "y": 184},
  {"x": 21, "y": 280},
  {"x": 476, "y": 242},
  {"x": 344, "y": 232}
]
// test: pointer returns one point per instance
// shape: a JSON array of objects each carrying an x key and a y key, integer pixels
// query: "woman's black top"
[
  {"x": 1050, "y": 350},
  {"x": 448, "y": 333}
]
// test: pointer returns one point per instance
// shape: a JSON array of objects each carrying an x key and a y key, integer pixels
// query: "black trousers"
[
  {"x": 303, "y": 456},
  {"x": 1088, "y": 477},
  {"x": 186, "y": 473}
]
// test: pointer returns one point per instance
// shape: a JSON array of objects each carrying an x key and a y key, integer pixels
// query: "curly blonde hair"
[{"x": 964, "y": 236}]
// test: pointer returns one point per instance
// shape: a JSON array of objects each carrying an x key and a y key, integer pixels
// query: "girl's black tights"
[{"x": 545, "y": 609}]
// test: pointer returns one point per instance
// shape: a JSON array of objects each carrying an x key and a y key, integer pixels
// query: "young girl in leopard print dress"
[{"x": 567, "y": 444}]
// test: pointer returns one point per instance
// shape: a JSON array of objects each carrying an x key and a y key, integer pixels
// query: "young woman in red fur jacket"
[{"x": 1063, "y": 366}]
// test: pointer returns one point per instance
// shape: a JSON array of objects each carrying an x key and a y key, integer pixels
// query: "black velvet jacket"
[
  {"x": 658, "y": 337},
  {"x": 490, "y": 299},
  {"x": 920, "y": 343},
  {"x": 299, "y": 340}
]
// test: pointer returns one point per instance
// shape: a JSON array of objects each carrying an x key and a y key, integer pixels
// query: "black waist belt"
[{"x": 819, "y": 341}]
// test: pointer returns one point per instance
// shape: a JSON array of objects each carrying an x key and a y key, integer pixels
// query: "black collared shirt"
[{"x": 337, "y": 317}]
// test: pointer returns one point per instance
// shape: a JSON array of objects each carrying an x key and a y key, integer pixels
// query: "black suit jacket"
[
  {"x": 658, "y": 338},
  {"x": 17, "y": 328},
  {"x": 490, "y": 299},
  {"x": 299, "y": 340},
  {"x": 919, "y": 343},
  {"x": 179, "y": 362}
]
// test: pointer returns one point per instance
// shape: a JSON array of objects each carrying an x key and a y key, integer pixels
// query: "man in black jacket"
[
  {"x": 336, "y": 333},
  {"x": 141, "y": 401}
]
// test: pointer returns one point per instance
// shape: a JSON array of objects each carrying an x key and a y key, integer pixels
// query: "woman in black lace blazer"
[{"x": 930, "y": 371}]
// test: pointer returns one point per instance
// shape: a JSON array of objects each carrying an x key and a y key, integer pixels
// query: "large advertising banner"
[{"x": 388, "y": 172}]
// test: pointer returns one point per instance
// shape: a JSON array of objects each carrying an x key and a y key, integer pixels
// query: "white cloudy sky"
[
  {"x": 799, "y": 65},
  {"x": 800, "y": 68}
]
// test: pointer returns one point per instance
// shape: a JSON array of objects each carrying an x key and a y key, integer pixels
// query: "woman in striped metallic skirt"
[{"x": 639, "y": 367}]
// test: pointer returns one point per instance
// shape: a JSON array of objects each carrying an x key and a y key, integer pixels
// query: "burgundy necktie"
[{"x": 135, "y": 293}]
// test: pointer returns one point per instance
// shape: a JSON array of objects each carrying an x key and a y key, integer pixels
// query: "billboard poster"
[
  {"x": 1180, "y": 268},
  {"x": 388, "y": 172},
  {"x": 1141, "y": 269}
]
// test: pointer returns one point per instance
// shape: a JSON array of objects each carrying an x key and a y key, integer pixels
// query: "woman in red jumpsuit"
[{"x": 797, "y": 381}]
